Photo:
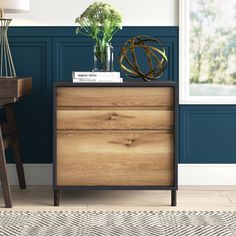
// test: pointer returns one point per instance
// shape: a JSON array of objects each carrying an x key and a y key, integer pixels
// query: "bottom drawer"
[{"x": 115, "y": 159}]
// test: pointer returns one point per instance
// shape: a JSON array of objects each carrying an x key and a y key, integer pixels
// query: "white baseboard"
[
  {"x": 189, "y": 174},
  {"x": 207, "y": 174},
  {"x": 35, "y": 174}
]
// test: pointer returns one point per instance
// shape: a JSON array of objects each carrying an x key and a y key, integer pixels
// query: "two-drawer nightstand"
[{"x": 115, "y": 136}]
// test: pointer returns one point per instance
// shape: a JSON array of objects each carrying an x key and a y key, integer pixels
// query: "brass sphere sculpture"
[{"x": 154, "y": 52}]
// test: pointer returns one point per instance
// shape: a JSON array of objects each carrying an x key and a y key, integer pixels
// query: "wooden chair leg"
[
  {"x": 3, "y": 175},
  {"x": 11, "y": 122}
]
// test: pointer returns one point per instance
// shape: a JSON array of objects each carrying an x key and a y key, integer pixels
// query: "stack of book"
[{"x": 96, "y": 77}]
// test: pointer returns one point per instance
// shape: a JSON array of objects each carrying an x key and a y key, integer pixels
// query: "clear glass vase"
[{"x": 103, "y": 58}]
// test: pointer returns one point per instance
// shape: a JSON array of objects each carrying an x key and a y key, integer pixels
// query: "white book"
[
  {"x": 98, "y": 80},
  {"x": 79, "y": 74}
]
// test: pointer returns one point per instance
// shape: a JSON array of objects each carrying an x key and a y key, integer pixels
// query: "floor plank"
[{"x": 221, "y": 198}]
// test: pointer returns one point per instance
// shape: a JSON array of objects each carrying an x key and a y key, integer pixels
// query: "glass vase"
[{"x": 103, "y": 58}]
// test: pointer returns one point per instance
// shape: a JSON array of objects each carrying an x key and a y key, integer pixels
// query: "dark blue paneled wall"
[
  {"x": 208, "y": 134},
  {"x": 48, "y": 54}
]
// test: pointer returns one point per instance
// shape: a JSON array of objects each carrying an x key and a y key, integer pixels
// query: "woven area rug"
[{"x": 117, "y": 223}]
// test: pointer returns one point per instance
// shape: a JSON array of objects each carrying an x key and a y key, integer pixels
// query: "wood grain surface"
[
  {"x": 115, "y": 119},
  {"x": 111, "y": 158},
  {"x": 15, "y": 87},
  {"x": 111, "y": 96}
]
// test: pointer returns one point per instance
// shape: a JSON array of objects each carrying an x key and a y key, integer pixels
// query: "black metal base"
[
  {"x": 173, "y": 198},
  {"x": 56, "y": 197}
]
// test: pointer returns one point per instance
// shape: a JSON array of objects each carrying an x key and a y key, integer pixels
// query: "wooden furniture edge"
[{"x": 173, "y": 188}]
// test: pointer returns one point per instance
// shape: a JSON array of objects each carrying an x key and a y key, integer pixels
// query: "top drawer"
[{"x": 118, "y": 97}]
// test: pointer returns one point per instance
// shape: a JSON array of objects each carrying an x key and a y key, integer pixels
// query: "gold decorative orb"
[{"x": 153, "y": 51}]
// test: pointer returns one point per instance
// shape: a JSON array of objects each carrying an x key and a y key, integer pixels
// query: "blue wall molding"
[
  {"x": 50, "y": 54},
  {"x": 208, "y": 134},
  {"x": 69, "y": 31}
]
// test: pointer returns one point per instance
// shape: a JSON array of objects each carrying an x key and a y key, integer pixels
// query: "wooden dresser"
[{"x": 115, "y": 136}]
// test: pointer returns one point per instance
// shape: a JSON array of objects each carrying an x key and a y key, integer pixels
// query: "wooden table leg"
[
  {"x": 11, "y": 122},
  {"x": 3, "y": 174}
]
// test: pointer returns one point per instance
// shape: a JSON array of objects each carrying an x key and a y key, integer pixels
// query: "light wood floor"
[{"x": 40, "y": 198}]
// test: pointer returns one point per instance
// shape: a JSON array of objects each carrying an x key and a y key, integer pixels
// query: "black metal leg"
[
  {"x": 173, "y": 198},
  {"x": 56, "y": 197}
]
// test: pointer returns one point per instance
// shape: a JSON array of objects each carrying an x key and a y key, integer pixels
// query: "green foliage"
[
  {"x": 100, "y": 21},
  {"x": 213, "y": 42}
]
